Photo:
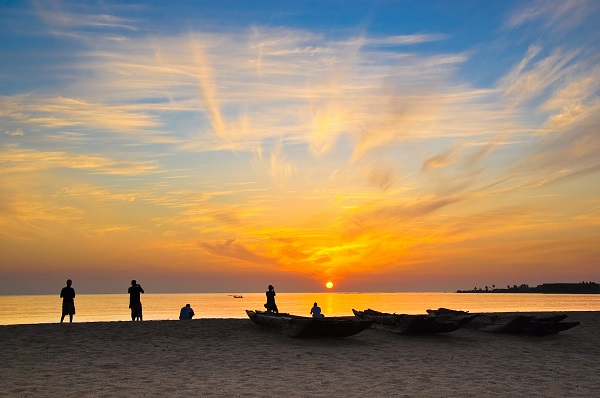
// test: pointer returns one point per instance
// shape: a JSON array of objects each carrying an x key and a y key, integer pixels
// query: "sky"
[{"x": 221, "y": 146}]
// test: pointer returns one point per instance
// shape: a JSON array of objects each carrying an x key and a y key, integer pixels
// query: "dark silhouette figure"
[
  {"x": 316, "y": 311},
  {"x": 68, "y": 306},
  {"x": 271, "y": 306},
  {"x": 186, "y": 312},
  {"x": 135, "y": 302}
]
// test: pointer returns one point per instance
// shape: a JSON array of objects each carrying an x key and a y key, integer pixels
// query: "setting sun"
[{"x": 329, "y": 285}]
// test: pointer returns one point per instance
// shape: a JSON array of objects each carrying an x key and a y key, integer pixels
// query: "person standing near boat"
[
  {"x": 135, "y": 302},
  {"x": 316, "y": 311},
  {"x": 271, "y": 306},
  {"x": 68, "y": 306}
]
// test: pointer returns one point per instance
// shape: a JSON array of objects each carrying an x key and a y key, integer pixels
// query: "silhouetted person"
[
  {"x": 186, "y": 312},
  {"x": 271, "y": 306},
  {"x": 68, "y": 306},
  {"x": 316, "y": 311},
  {"x": 135, "y": 302}
]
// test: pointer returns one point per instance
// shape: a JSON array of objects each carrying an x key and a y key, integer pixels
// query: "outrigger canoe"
[
  {"x": 414, "y": 324},
  {"x": 512, "y": 323},
  {"x": 301, "y": 326}
]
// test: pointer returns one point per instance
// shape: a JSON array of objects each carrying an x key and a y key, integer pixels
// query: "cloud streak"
[
  {"x": 16, "y": 160},
  {"x": 555, "y": 15}
]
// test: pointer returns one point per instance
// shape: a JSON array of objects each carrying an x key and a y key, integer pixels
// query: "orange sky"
[{"x": 227, "y": 151}]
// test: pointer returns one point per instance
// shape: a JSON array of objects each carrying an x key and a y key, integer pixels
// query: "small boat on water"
[
  {"x": 414, "y": 324},
  {"x": 512, "y": 323},
  {"x": 302, "y": 326},
  {"x": 236, "y": 296}
]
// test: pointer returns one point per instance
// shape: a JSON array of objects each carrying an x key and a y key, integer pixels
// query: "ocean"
[{"x": 114, "y": 307}]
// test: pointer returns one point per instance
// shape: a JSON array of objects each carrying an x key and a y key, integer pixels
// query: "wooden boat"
[
  {"x": 513, "y": 323},
  {"x": 414, "y": 324},
  {"x": 542, "y": 328},
  {"x": 502, "y": 324},
  {"x": 301, "y": 326},
  {"x": 445, "y": 312}
]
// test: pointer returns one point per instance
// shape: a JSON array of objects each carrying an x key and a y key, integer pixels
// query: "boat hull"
[
  {"x": 299, "y": 326},
  {"x": 513, "y": 323},
  {"x": 413, "y": 324}
]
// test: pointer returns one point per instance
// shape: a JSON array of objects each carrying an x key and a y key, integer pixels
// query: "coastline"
[
  {"x": 233, "y": 357},
  {"x": 545, "y": 288}
]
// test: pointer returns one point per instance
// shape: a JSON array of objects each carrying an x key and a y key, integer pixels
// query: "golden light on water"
[{"x": 329, "y": 285}]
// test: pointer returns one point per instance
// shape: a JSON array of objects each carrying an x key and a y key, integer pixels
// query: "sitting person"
[
  {"x": 316, "y": 311},
  {"x": 186, "y": 312}
]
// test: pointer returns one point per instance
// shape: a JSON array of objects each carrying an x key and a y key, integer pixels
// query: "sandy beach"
[{"x": 235, "y": 358}]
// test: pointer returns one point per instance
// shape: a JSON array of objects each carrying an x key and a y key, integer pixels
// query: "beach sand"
[{"x": 235, "y": 358}]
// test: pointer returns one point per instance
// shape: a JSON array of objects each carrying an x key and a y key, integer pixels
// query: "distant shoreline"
[{"x": 546, "y": 288}]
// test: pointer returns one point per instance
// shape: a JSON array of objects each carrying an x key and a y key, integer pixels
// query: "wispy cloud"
[
  {"x": 441, "y": 160},
  {"x": 60, "y": 113},
  {"x": 572, "y": 151},
  {"x": 576, "y": 97},
  {"x": 561, "y": 15},
  {"x": 525, "y": 83},
  {"x": 401, "y": 40},
  {"x": 14, "y": 133},
  {"x": 16, "y": 160},
  {"x": 67, "y": 16},
  {"x": 276, "y": 163},
  {"x": 300, "y": 86},
  {"x": 230, "y": 250}
]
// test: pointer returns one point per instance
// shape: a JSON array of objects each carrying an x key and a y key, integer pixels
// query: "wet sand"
[{"x": 235, "y": 358}]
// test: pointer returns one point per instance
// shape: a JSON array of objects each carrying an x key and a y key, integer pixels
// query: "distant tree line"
[{"x": 581, "y": 288}]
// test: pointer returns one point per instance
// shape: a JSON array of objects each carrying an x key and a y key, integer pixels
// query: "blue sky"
[{"x": 219, "y": 146}]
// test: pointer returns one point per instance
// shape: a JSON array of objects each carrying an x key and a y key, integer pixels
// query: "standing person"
[
  {"x": 135, "y": 302},
  {"x": 68, "y": 306},
  {"x": 316, "y": 311},
  {"x": 186, "y": 312},
  {"x": 271, "y": 306}
]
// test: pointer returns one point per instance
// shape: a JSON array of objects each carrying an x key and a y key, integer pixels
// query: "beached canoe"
[
  {"x": 414, "y": 324},
  {"x": 512, "y": 323},
  {"x": 521, "y": 324},
  {"x": 301, "y": 326}
]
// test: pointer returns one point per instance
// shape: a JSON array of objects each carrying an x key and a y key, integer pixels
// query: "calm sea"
[{"x": 114, "y": 307}]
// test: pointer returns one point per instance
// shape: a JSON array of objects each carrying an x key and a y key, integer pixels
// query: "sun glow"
[{"x": 329, "y": 285}]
